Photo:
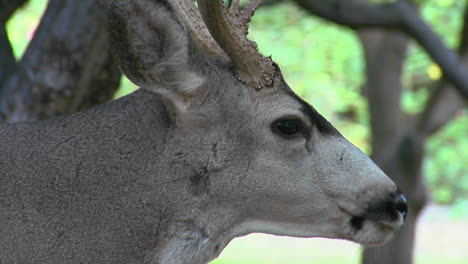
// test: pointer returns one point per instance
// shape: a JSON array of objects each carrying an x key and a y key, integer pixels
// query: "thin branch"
[
  {"x": 383, "y": 89},
  {"x": 399, "y": 15},
  {"x": 445, "y": 102},
  {"x": 463, "y": 48},
  {"x": 443, "y": 105},
  {"x": 8, "y": 64}
]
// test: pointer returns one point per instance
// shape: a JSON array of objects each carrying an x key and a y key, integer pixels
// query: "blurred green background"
[{"x": 323, "y": 63}]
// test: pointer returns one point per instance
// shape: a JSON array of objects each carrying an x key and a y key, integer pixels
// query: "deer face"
[
  {"x": 292, "y": 173},
  {"x": 271, "y": 158}
]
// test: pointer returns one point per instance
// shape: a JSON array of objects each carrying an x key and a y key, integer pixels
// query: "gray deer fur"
[{"x": 174, "y": 171}]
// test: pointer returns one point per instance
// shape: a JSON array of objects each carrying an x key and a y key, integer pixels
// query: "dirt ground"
[{"x": 439, "y": 236}]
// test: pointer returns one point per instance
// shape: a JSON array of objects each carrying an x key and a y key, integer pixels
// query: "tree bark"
[
  {"x": 398, "y": 140},
  {"x": 396, "y": 147},
  {"x": 66, "y": 68}
]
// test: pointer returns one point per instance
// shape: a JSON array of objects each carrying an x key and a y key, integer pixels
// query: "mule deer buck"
[{"x": 214, "y": 145}]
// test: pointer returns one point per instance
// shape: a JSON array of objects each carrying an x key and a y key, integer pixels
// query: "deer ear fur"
[{"x": 152, "y": 48}]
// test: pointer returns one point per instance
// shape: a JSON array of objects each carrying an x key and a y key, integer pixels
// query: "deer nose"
[{"x": 401, "y": 205}]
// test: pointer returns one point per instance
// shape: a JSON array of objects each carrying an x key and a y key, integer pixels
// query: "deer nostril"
[{"x": 401, "y": 205}]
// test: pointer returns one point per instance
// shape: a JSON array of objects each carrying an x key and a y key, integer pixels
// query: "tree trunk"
[
  {"x": 66, "y": 68},
  {"x": 396, "y": 146}
]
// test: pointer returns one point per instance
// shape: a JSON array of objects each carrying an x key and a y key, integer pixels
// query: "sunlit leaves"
[
  {"x": 446, "y": 165},
  {"x": 434, "y": 72}
]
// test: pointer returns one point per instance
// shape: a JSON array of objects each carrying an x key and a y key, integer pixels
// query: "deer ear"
[{"x": 152, "y": 47}]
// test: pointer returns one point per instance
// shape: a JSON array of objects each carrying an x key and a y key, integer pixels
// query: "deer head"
[
  {"x": 215, "y": 145},
  {"x": 266, "y": 154}
]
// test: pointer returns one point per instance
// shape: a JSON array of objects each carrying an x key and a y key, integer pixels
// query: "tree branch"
[
  {"x": 8, "y": 63},
  {"x": 399, "y": 15},
  {"x": 383, "y": 89},
  {"x": 441, "y": 108},
  {"x": 445, "y": 102},
  {"x": 67, "y": 67},
  {"x": 463, "y": 48}
]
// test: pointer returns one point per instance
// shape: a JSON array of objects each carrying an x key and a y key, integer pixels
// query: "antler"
[
  {"x": 229, "y": 28},
  {"x": 189, "y": 14}
]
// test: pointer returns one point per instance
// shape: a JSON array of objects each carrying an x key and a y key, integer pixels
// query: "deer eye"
[{"x": 288, "y": 127}]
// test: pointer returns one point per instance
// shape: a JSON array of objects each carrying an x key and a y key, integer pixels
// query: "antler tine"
[
  {"x": 190, "y": 16},
  {"x": 228, "y": 29}
]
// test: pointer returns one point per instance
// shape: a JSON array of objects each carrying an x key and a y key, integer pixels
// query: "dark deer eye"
[{"x": 288, "y": 127}]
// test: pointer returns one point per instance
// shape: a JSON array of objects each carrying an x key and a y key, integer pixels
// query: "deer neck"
[{"x": 195, "y": 235}]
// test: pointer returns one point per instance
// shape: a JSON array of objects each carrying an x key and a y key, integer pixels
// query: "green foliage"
[
  {"x": 445, "y": 17},
  {"x": 447, "y": 161},
  {"x": 126, "y": 87},
  {"x": 459, "y": 210},
  {"x": 22, "y": 25}
]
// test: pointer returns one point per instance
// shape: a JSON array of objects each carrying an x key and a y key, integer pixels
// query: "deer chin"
[{"x": 371, "y": 232}]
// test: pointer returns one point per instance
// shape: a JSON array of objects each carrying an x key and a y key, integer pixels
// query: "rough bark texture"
[{"x": 66, "y": 68}]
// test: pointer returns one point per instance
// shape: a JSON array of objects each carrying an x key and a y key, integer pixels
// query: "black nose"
[{"x": 401, "y": 205}]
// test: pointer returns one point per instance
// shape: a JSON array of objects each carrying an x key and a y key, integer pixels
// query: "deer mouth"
[
  {"x": 376, "y": 222},
  {"x": 357, "y": 222},
  {"x": 370, "y": 230}
]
